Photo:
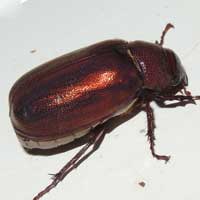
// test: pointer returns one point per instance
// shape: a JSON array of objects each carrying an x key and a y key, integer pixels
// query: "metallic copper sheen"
[
  {"x": 67, "y": 97},
  {"x": 74, "y": 92},
  {"x": 87, "y": 93}
]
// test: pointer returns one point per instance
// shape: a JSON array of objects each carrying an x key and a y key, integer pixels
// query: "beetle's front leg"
[
  {"x": 162, "y": 104},
  {"x": 182, "y": 100},
  {"x": 150, "y": 133},
  {"x": 95, "y": 139}
]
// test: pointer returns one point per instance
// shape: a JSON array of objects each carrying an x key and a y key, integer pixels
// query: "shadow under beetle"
[{"x": 79, "y": 97}]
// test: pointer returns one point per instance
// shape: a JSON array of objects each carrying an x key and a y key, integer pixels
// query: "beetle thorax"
[{"x": 158, "y": 66}]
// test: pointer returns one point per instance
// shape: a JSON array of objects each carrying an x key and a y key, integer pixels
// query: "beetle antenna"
[{"x": 167, "y": 27}]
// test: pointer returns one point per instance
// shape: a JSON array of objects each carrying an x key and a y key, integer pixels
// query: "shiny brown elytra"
[{"x": 85, "y": 92}]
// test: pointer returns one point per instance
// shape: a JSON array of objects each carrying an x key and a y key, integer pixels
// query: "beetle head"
[{"x": 160, "y": 67}]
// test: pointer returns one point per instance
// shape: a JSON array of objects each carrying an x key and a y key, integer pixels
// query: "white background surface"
[{"x": 113, "y": 172}]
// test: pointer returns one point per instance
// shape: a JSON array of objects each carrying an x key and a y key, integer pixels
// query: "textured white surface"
[{"x": 53, "y": 28}]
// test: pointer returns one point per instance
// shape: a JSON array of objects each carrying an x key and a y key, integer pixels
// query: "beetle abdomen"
[{"x": 76, "y": 98}]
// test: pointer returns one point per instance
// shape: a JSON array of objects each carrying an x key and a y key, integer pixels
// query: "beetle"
[{"x": 82, "y": 92}]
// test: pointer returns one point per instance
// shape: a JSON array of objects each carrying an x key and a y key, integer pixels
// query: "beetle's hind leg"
[
  {"x": 95, "y": 139},
  {"x": 150, "y": 133}
]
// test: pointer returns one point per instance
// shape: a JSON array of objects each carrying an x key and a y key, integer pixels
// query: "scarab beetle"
[{"x": 81, "y": 93}]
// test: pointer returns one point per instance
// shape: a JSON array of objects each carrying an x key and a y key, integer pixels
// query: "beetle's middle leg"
[
  {"x": 95, "y": 139},
  {"x": 150, "y": 133}
]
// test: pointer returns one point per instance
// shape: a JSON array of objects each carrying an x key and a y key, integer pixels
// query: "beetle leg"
[
  {"x": 167, "y": 27},
  {"x": 150, "y": 133},
  {"x": 95, "y": 140},
  {"x": 182, "y": 100},
  {"x": 174, "y": 105}
]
